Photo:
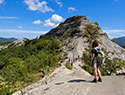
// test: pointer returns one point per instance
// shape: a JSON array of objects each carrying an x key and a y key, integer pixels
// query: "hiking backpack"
[{"x": 100, "y": 57}]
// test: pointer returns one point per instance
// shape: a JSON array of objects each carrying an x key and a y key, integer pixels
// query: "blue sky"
[{"x": 31, "y": 18}]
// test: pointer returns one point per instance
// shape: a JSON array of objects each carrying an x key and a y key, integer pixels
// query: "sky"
[{"x": 32, "y": 18}]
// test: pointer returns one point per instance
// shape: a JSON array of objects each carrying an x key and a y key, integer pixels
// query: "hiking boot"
[
  {"x": 95, "y": 80},
  {"x": 99, "y": 80}
]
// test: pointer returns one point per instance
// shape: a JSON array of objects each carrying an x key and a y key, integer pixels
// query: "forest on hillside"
[{"x": 22, "y": 65}]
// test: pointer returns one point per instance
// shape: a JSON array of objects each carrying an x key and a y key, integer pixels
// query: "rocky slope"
[{"x": 75, "y": 34}]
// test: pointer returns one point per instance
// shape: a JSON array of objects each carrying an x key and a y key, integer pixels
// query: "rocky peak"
[
  {"x": 74, "y": 26},
  {"x": 74, "y": 18},
  {"x": 76, "y": 32}
]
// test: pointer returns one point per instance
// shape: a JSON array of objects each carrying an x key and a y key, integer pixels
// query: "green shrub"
[
  {"x": 110, "y": 66},
  {"x": 7, "y": 88},
  {"x": 68, "y": 66},
  {"x": 91, "y": 32},
  {"x": 88, "y": 68},
  {"x": 22, "y": 64}
]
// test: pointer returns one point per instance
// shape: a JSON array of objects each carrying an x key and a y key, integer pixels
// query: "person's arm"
[{"x": 93, "y": 55}]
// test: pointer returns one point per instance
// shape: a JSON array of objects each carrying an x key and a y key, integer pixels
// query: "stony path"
[
  {"x": 78, "y": 85},
  {"x": 66, "y": 82},
  {"x": 111, "y": 85},
  {"x": 78, "y": 82},
  {"x": 72, "y": 84}
]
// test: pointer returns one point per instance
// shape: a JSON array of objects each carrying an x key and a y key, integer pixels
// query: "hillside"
[
  {"x": 76, "y": 35},
  {"x": 22, "y": 61}
]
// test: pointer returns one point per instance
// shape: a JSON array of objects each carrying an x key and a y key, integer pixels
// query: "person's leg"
[
  {"x": 95, "y": 75},
  {"x": 99, "y": 74},
  {"x": 95, "y": 72}
]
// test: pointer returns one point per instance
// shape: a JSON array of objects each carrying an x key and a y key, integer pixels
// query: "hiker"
[
  {"x": 94, "y": 63},
  {"x": 44, "y": 73}
]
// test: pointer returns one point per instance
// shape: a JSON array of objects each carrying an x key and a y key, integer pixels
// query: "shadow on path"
[
  {"x": 79, "y": 80},
  {"x": 73, "y": 81}
]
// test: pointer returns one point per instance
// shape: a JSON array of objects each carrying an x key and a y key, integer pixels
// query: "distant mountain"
[
  {"x": 15, "y": 43},
  {"x": 7, "y": 39},
  {"x": 120, "y": 41}
]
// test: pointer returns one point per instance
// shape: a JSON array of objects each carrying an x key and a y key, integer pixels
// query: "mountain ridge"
[
  {"x": 15, "y": 43},
  {"x": 76, "y": 35},
  {"x": 120, "y": 41},
  {"x": 2, "y": 39}
]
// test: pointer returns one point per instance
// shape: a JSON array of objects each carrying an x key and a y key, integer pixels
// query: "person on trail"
[
  {"x": 94, "y": 63},
  {"x": 44, "y": 74}
]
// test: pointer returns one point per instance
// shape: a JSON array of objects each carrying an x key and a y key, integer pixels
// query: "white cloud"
[
  {"x": 1, "y": 1},
  {"x": 53, "y": 21},
  {"x": 59, "y": 3},
  {"x": 114, "y": 31},
  {"x": 56, "y": 18},
  {"x": 72, "y": 9},
  {"x": 48, "y": 23},
  {"x": 5, "y": 17},
  {"x": 37, "y": 22},
  {"x": 20, "y": 27},
  {"x": 23, "y": 31},
  {"x": 36, "y": 5}
]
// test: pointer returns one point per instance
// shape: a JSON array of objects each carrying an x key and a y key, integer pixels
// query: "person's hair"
[{"x": 95, "y": 43}]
